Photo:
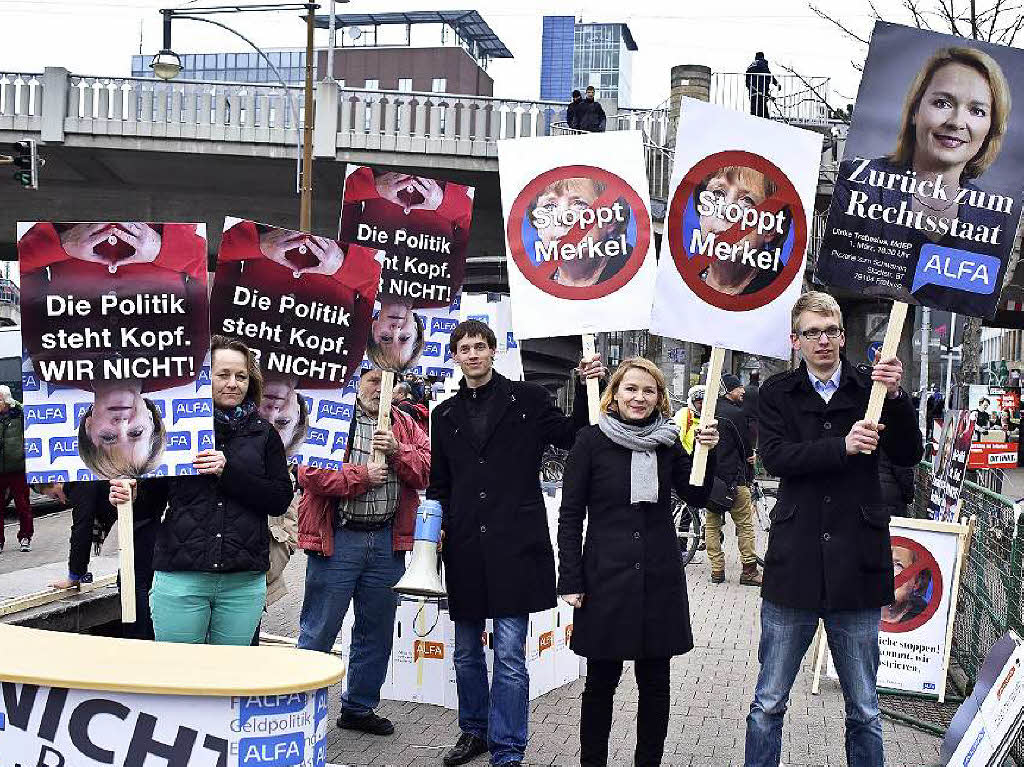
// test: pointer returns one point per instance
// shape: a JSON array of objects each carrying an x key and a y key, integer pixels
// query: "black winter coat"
[
  {"x": 897, "y": 485},
  {"x": 219, "y": 524},
  {"x": 497, "y": 547},
  {"x": 634, "y": 591},
  {"x": 590, "y": 116},
  {"x": 734, "y": 446},
  {"x": 829, "y": 541}
]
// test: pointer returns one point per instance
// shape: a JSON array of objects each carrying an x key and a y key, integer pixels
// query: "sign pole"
[
  {"x": 897, "y": 316},
  {"x": 707, "y": 413},
  {"x": 593, "y": 388},
  {"x": 126, "y": 555},
  {"x": 387, "y": 387}
]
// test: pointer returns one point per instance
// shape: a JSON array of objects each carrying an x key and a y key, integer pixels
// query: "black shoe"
[
  {"x": 468, "y": 748},
  {"x": 371, "y": 723}
]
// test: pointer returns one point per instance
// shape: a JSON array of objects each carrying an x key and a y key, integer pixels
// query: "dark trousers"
[
  {"x": 15, "y": 483},
  {"x": 652, "y": 678}
]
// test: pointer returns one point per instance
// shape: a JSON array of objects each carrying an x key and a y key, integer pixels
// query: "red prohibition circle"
[
  {"x": 540, "y": 275},
  {"x": 690, "y": 268},
  {"x": 925, "y": 561}
]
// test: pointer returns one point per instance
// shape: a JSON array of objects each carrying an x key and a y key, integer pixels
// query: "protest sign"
[
  {"x": 435, "y": 360},
  {"x": 303, "y": 304},
  {"x": 927, "y": 198},
  {"x": 988, "y": 722},
  {"x": 578, "y": 233},
  {"x": 996, "y": 440},
  {"x": 116, "y": 334},
  {"x": 949, "y": 465},
  {"x": 732, "y": 258},
  {"x": 916, "y": 630}
]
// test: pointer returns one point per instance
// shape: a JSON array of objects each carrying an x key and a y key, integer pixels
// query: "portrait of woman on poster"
[
  {"x": 745, "y": 188},
  {"x": 553, "y": 215},
  {"x": 121, "y": 434},
  {"x": 913, "y": 595},
  {"x": 397, "y": 337},
  {"x": 955, "y": 117},
  {"x": 285, "y": 409}
]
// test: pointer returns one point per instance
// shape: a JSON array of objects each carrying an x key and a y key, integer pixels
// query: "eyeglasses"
[{"x": 813, "y": 334}]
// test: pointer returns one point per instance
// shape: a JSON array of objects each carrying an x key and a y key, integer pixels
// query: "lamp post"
[{"x": 167, "y": 65}]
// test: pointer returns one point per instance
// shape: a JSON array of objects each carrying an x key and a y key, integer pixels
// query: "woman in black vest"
[
  {"x": 625, "y": 581},
  {"x": 212, "y": 547}
]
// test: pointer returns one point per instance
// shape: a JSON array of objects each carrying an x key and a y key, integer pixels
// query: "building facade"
[
  {"x": 420, "y": 70},
  {"x": 576, "y": 55},
  {"x": 233, "y": 67}
]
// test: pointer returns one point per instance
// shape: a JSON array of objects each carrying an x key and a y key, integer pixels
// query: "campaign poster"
[
  {"x": 495, "y": 311},
  {"x": 116, "y": 344},
  {"x": 736, "y": 232},
  {"x": 996, "y": 410},
  {"x": 949, "y": 465},
  {"x": 57, "y": 727},
  {"x": 578, "y": 233},
  {"x": 436, "y": 359},
  {"x": 988, "y": 722},
  {"x": 927, "y": 197},
  {"x": 912, "y": 631},
  {"x": 420, "y": 226},
  {"x": 303, "y": 304}
]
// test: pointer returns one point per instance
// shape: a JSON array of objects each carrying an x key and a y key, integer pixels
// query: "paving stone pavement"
[{"x": 711, "y": 692}]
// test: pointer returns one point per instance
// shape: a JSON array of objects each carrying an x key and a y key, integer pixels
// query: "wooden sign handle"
[
  {"x": 707, "y": 413},
  {"x": 593, "y": 388},
  {"x": 126, "y": 555},
  {"x": 387, "y": 387},
  {"x": 890, "y": 344}
]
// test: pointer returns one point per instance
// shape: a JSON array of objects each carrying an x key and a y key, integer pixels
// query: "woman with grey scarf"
[{"x": 625, "y": 581}]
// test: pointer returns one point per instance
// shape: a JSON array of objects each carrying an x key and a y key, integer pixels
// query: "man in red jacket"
[{"x": 356, "y": 525}]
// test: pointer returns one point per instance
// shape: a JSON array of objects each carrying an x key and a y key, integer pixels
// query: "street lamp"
[{"x": 167, "y": 65}]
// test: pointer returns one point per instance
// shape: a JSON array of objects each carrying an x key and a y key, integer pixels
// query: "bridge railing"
[{"x": 789, "y": 98}]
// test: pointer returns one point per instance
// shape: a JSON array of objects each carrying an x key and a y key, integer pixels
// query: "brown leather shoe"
[
  {"x": 718, "y": 576},
  {"x": 750, "y": 576}
]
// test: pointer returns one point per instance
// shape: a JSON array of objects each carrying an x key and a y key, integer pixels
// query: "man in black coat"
[
  {"x": 829, "y": 553},
  {"x": 735, "y": 467},
  {"x": 759, "y": 81},
  {"x": 486, "y": 447},
  {"x": 570, "y": 112},
  {"x": 589, "y": 113}
]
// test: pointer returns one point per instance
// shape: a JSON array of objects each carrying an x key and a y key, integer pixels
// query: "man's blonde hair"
[{"x": 818, "y": 302}]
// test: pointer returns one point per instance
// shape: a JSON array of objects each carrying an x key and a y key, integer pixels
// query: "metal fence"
[{"x": 990, "y": 595}]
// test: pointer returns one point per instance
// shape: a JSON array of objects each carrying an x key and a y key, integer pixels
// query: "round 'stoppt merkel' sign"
[
  {"x": 737, "y": 230},
  {"x": 578, "y": 232},
  {"x": 918, "y": 587}
]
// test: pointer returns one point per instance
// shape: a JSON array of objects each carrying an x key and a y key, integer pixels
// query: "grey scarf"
[{"x": 643, "y": 441}]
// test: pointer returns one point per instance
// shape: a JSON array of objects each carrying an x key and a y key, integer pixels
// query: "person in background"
[
  {"x": 589, "y": 113},
  {"x": 627, "y": 587},
  {"x": 212, "y": 548},
  {"x": 935, "y": 408},
  {"x": 402, "y": 398},
  {"x": 828, "y": 554},
  {"x": 759, "y": 81},
  {"x": 487, "y": 442},
  {"x": 12, "y": 467},
  {"x": 92, "y": 517},
  {"x": 735, "y": 468},
  {"x": 897, "y": 483},
  {"x": 356, "y": 525},
  {"x": 571, "y": 119}
]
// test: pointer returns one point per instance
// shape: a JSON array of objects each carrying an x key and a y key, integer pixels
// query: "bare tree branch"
[{"x": 846, "y": 30}]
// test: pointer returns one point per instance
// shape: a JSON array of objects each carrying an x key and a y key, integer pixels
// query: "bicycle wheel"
[
  {"x": 688, "y": 528},
  {"x": 763, "y": 502}
]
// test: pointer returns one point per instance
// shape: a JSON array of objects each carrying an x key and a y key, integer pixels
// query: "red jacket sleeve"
[
  {"x": 240, "y": 243},
  {"x": 360, "y": 186},
  {"x": 359, "y": 271},
  {"x": 182, "y": 250},
  {"x": 352, "y": 480},
  {"x": 412, "y": 461},
  {"x": 456, "y": 206},
  {"x": 39, "y": 248}
]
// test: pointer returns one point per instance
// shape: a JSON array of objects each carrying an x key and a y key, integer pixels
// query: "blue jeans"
[
  {"x": 499, "y": 714},
  {"x": 786, "y": 634},
  {"x": 362, "y": 569},
  {"x": 207, "y": 608}
]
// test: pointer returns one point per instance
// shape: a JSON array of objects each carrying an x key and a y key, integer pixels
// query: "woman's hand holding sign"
[
  {"x": 210, "y": 462},
  {"x": 591, "y": 367}
]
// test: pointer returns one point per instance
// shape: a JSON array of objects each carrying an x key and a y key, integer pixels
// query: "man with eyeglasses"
[{"x": 829, "y": 554}]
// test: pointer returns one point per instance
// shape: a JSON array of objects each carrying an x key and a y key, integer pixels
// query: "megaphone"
[{"x": 421, "y": 579}]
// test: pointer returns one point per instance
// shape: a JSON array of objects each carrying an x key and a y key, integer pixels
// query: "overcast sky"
[{"x": 98, "y": 37}]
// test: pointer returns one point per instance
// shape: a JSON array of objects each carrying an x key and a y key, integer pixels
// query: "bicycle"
[
  {"x": 763, "y": 500},
  {"x": 689, "y": 525}
]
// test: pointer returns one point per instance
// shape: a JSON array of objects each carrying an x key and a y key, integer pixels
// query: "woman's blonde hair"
[
  {"x": 635, "y": 363},
  {"x": 984, "y": 65}
]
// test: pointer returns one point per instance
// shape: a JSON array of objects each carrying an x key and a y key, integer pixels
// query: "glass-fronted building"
[
  {"x": 232, "y": 67},
  {"x": 576, "y": 55}
]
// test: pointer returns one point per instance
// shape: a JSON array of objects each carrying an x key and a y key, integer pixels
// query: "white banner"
[
  {"x": 737, "y": 228},
  {"x": 578, "y": 233}
]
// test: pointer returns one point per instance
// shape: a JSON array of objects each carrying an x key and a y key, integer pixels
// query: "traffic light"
[{"x": 24, "y": 155}]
